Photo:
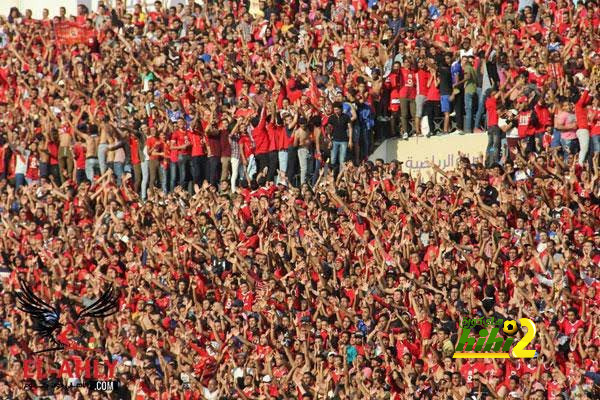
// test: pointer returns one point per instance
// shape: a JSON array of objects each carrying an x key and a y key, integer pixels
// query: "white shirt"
[
  {"x": 511, "y": 133},
  {"x": 22, "y": 157},
  {"x": 208, "y": 395}
]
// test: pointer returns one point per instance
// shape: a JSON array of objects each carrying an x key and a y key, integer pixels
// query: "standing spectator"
[{"x": 340, "y": 130}]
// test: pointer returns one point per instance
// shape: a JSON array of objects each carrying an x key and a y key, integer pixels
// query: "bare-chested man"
[
  {"x": 103, "y": 145},
  {"x": 65, "y": 154},
  {"x": 91, "y": 139}
]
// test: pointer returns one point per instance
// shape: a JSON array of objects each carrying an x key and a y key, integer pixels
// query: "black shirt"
[
  {"x": 340, "y": 127},
  {"x": 445, "y": 81}
]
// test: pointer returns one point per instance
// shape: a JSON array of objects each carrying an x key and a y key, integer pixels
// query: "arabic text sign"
[{"x": 420, "y": 154}]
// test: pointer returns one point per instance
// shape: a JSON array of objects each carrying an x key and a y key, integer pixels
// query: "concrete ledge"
[{"x": 419, "y": 153}]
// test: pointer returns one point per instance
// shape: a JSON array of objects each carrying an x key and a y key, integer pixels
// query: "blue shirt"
[
  {"x": 456, "y": 71},
  {"x": 395, "y": 25},
  {"x": 173, "y": 115},
  {"x": 205, "y": 57},
  {"x": 434, "y": 13},
  {"x": 346, "y": 109}
]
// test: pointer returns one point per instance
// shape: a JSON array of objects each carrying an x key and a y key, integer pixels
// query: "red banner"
[{"x": 70, "y": 33}]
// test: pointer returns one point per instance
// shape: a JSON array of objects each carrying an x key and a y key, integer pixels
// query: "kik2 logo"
[{"x": 491, "y": 345}]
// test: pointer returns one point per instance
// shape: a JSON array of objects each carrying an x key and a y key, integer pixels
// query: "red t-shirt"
[
  {"x": 79, "y": 152},
  {"x": 133, "y": 149},
  {"x": 595, "y": 122},
  {"x": 581, "y": 114},
  {"x": 491, "y": 106},
  {"x": 53, "y": 151},
  {"x": 197, "y": 144},
  {"x": 408, "y": 90},
  {"x": 33, "y": 167},
  {"x": 261, "y": 136},
  {"x": 422, "y": 79},
  {"x": 154, "y": 144}
]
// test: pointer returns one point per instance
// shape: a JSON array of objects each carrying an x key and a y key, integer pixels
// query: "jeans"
[
  {"x": 213, "y": 170},
  {"x": 493, "y": 146},
  {"x": 80, "y": 175},
  {"x": 162, "y": 173},
  {"x": 583, "y": 136},
  {"x": 339, "y": 149},
  {"x": 282, "y": 156},
  {"x": 182, "y": 162},
  {"x": 595, "y": 144},
  {"x": 273, "y": 162},
  {"x": 292, "y": 164},
  {"x": 251, "y": 169},
  {"x": 91, "y": 166},
  {"x": 262, "y": 162},
  {"x": 145, "y": 177},
  {"x": 433, "y": 112},
  {"x": 102, "y": 147},
  {"x": 117, "y": 168},
  {"x": 19, "y": 181},
  {"x": 172, "y": 175},
  {"x": 303, "y": 155},
  {"x": 54, "y": 173},
  {"x": 362, "y": 143},
  {"x": 128, "y": 168},
  {"x": 555, "y": 138},
  {"x": 480, "y": 109},
  {"x": 197, "y": 167},
  {"x": 567, "y": 147},
  {"x": 459, "y": 109},
  {"x": 469, "y": 112},
  {"x": 356, "y": 134},
  {"x": 407, "y": 105},
  {"x": 44, "y": 169}
]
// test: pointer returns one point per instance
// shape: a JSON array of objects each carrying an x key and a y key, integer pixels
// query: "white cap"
[{"x": 266, "y": 379}]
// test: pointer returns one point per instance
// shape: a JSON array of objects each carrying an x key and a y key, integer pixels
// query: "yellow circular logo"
[{"x": 509, "y": 327}]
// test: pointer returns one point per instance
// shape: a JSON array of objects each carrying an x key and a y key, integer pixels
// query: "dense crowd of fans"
[{"x": 209, "y": 160}]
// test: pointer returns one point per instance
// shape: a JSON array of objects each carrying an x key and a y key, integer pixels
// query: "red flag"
[{"x": 70, "y": 33}]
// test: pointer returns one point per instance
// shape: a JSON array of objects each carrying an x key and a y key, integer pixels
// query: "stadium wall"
[
  {"x": 53, "y": 6},
  {"x": 418, "y": 154}
]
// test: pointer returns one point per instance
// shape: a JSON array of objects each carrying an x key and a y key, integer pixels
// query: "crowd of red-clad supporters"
[{"x": 209, "y": 161}]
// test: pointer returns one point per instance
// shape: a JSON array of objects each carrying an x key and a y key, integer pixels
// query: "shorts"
[
  {"x": 420, "y": 101},
  {"x": 445, "y": 103}
]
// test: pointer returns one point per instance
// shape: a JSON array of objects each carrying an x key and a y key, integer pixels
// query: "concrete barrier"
[
  {"x": 37, "y": 6},
  {"x": 419, "y": 154}
]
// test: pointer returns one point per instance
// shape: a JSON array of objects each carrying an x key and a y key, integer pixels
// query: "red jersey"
[
  {"x": 53, "y": 151},
  {"x": 525, "y": 127},
  {"x": 408, "y": 90},
  {"x": 33, "y": 167},
  {"x": 197, "y": 140},
  {"x": 260, "y": 134},
  {"x": 581, "y": 111},
  {"x": 595, "y": 117},
  {"x": 133, "y": 150},
  {"x": 79, "y": 153},
  {"x": 491, "y": 106},
  {"x": 154, "y": 145},
  {"x": 422, "y": 79}
]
